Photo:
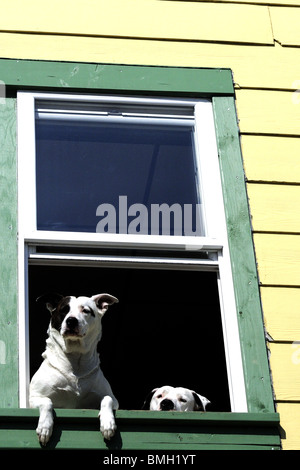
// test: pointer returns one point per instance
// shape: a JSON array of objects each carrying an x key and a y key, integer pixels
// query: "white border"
[{"x": 214, "y": 221}]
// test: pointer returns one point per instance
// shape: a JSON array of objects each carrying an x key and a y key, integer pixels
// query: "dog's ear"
[
  {"x": 146, "y": 404},
  {"x": 201, "y": 402},
  {"x": 50, "y": 299},
  {"x": 103, "y": 301}
]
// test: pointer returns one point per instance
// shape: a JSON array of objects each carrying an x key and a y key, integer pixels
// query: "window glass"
[{"x": 119, "y": 178}]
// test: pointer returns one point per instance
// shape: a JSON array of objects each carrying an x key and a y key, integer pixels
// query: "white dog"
[
  {"x": 175, "y": 399},
  {"x": 70, "y": 375}
]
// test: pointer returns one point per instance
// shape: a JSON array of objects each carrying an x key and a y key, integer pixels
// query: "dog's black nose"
[
  {"x": 71, "y": 322},
  {"x": 166, "y": 405}
]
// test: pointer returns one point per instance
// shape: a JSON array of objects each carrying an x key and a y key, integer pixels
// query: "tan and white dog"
[
  {"x": 70, "y": 375},
  {"x": 168, "y": 398}
]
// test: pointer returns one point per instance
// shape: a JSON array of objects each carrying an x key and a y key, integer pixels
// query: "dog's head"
[
  {"x": 175, "y": 399},
  {"x": 76, "y": 318}
]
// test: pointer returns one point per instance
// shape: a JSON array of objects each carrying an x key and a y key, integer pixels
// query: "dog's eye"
[
  {"x": 183, "y": 400},
  {"x": 159, "y": 396},
  {"x": 88, "y": 310},
  {"x": 64, "y": 309}
]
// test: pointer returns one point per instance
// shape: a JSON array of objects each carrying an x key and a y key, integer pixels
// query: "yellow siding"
[
  {"x": 290, "y": 424},
  {"x": 142, "y": 19},
  {"x": 281, "y": 308},
  {"x": 268, "y": 112},
  {"x": 286, "y": 374},
  {"x": 273, "y": 207},
  {"x": 271, "y": 159},
  {"x": 247, "y": 37},
  {"x": 278, "y": 259},
  {"x": 261, "y": 2},
  {"x": 286, "y": 23}
]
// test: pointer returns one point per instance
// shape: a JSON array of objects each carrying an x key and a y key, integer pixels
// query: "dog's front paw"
[
  {"x": 44, "y": 432},
  {"x": 107, "y": 425}
]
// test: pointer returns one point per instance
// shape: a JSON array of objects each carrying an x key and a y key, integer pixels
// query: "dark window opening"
[{"x": 166, "y": 329}]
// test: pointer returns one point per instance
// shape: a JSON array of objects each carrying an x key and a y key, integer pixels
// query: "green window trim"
[
  {"x": 37, "y": 75},
  {"x": 153, "y": 430},
  {"x": 167, "y": 81},
  {"x": 8, "y": 255}
]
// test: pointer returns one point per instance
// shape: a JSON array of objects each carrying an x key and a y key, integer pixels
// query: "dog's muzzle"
[
  {"x": 166, "y": 405},
  {"x": 72, "y": 326}
]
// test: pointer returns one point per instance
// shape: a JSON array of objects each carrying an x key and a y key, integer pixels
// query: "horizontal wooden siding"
[{"x": 260, "y": 42}]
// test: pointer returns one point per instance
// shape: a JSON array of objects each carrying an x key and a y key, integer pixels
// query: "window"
[
  {"x": 96, "y": 153},
  {"x": 123, "y": 194}
]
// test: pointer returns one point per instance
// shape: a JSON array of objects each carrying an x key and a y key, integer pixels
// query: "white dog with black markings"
[
  {"x": 168, "y": 398},
  {"x": 70, "y": 375}
]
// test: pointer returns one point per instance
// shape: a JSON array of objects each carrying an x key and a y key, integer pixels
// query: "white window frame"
[{"x": 215, "y": 240}]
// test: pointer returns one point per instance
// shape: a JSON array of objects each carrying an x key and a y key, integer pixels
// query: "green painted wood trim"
[
  {"x": 79, "y": 429},
  {"x": 249, "y": 312},
  {"x": 8, "y": 256},
  {"x": 120, "y": 78},
  {"x": 19, "y": 74},
  {"x": 172, "y": 418}
]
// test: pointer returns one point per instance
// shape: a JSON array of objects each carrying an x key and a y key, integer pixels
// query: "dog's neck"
[{"x": 77, "y": 358}]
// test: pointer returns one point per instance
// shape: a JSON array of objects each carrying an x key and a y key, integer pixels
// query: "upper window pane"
[{"x": 116, "y": 174}]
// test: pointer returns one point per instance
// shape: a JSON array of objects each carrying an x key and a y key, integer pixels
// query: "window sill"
[{"x": 147, "y": 430}]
